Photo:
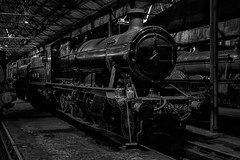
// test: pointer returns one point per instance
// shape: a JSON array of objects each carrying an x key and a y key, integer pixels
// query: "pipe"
[
  {"x": 110, "y": 25},
  {"x": 213, "y": 66}
]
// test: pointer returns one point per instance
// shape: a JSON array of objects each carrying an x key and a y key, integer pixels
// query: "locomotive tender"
[{"x": 112, "y": 82}]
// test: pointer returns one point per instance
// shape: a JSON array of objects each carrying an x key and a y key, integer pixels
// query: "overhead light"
[
  {"x": 26, "y": 22},
  {"x": 9, "y": 35},
  {"x": 25, "y": 42}
]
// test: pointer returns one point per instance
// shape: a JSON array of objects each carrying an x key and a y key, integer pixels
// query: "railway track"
[
  {"x": 10, "y": 150},
  {"x": 192, "y": 150},
  {"x": 111, "y": 138},
  {"x": 196, "y": 150},
  {"x": 29, "y": 134}
]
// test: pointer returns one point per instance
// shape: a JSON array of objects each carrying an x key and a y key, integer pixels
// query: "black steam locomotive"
[
  {"x": 193, "y": 66},
  {"x": 112, "y": 82},
  {"x": 6, "y": 97}
]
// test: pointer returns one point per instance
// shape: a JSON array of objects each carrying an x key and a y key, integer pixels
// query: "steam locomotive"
[
  {"x": 193, "y": 66},
  {"x": 6, "y": 98},
  {"x": 112, "y": 82}
]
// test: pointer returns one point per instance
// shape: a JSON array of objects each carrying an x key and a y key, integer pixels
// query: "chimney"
[
  {"x": 136, "y": 18},
  {"x": 136, "y": 13}
]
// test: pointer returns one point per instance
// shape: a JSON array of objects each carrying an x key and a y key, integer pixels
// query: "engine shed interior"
[{"x": 207, "y": 36}]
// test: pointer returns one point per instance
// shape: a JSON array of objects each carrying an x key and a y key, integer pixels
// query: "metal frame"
[{"x": 58, "y": 13}]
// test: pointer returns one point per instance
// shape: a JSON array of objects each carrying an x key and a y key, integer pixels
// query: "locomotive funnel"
[{"x": 136, "y": 18}]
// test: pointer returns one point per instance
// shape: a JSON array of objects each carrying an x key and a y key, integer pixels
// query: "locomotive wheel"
[
  {"x": 84, "y": 112},
  {"x": 97, "y": 122},
  {"x": 125, "y": 126},
  {"x": 64, "y": 103},
  {"x": 80, "y": 113},
  {"x": 107, "y": 127},
  {"x": 88, "y": 104},
  {"x": 79, "y": 107},
  {"x": 73, "y": 110}
]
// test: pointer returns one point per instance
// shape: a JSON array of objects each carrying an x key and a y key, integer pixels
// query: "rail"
[
  {"x": 112, "y": 137},
  {"x": 206, "y": 152},
  {"x": 9, "y": 145}
]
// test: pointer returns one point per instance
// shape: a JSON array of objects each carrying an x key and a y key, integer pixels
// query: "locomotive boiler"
[
  {"x": 113, "y": 82},
  {"x": 147, "y": 53},
  {"x": 195, "y": 65}
]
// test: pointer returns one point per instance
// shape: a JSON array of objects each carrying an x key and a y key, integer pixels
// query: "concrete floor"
[{"x": 41, "y": 136}]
